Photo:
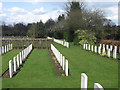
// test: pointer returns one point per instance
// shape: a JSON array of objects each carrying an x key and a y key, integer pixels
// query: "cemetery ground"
[
  {"x": 8, "y": 56},
  {"x": 38, "y": 71}
]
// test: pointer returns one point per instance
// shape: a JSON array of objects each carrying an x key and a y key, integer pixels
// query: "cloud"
[
  {"x": 36, "y": 15},
  {"x": 39, "y": 11},
  {"x": 36, "y": 1},
  {"x": 114, "y": 9},
  {"x": 16, "y": 10},
  {"x": 0, "y": 6},
  {"x": 3, "y": 15},
  {"x": 113, "y": 13}
]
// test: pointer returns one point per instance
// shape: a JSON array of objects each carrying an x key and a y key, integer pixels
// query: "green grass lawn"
[
  {"x": 8, "y": 56},
  {"x": 99, "y": 69},
  {"x": 38, "y": 71}
]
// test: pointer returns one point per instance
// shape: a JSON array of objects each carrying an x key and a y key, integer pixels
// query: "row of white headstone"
[
  {"x": 61, "y": 59},
  {"x": 102, "y": 49},
  {"x": 18, "y": 60},
  {"x": 5, "y": 49},
  {"x": 84, "y": 83},
  {"x": 64, "y": 43}
]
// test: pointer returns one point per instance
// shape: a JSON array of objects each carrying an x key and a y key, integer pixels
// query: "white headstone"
[
  {"x": 66, "y": 67},
  {"x": 99, "y": 50},
  {"x": 10, "y": 69},
  {"x": 116, "y": 48},
  {"x": 103, "y": 50},
  {"x": 67, "y": 44},
  {"x": 20, "y": 58},
  {"x": 108, "y": 52},
  {"x": 18, "y": 63},
  {"x": 89, "y": 47},
  {"x": 2, "y": 50},
  {"x": 92, "y": 48},
  {"x": 95, "y": 49},
  {"x": 61, "y": 60},
  {"x": 97, "y": 86},
  {"x": 5, "y": 49},
  {"x": 63, "y": 65},
  {"x": 11, "y": 46},
  {"x": 114, "y": 54},
  {"x": 111, "y": 47},
  {"x": 84, "y": 46},
  {"x": 84, "y": 81},
  {"x": 107, "y": 47},
  {"x": 15, "y": 66}
]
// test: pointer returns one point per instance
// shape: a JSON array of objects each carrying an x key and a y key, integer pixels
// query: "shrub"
[{"x": 84, "y": 37}]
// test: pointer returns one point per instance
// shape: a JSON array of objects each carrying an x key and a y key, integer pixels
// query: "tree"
[
  {"x": 48, "y": 25},
  {"x": 117, "y": 37},
  {"x": 93, "y": 20},
  {"x": 37, "y": 31},
  {"x": 74, "y": 19},
  {"x": 57, "y": 30},
  {"x": 61, "y": 17},
  {"x": 19, "y": 29},
  {"x": 84, "y": 37}
]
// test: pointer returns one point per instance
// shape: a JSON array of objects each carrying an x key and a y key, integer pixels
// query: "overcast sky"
[{"x": 32, "y": 11}]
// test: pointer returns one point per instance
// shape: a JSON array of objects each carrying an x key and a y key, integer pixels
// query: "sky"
[{"x": 16, "y": 11}]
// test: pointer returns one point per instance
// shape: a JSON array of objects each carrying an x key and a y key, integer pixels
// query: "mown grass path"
[
  {"x": 8, "y": 56},
  {"x": 38, "y": 71}
]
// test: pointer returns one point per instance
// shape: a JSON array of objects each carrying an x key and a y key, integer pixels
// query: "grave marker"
[
  {"x": 63, "y": 65},
  {"x": 107, "y": 47},
  {"x": 97, "y": 86},
  {"x": 92, "y": 48},
  {"x": 15, "y": 66},
  {"x": 111, "y": 47},
  {"x": 103, "y": 50},
  {"x": 84, "y": 46},
  {"x": 20, "y": 58},
  {"x": 95, "y": 49},
  {"x": 89, "y": 47},
  {"x": 114, "y": 54},
  {"x": 2, "y": 50},
  {"x": 5, "y": 49},
  {"x": 61, "y": 60},
  {"x": 10, "y": 69},
  {"x": 66, "y": 68},
  {"x": 99, "y": 50},
  {"x": 108, "y": 52},
  {"x": 18, "y": 64},
  {"x": 84, "y": 81}
]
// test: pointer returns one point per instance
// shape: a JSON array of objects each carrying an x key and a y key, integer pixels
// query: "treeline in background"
[{"x": 78, "y": 24}]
